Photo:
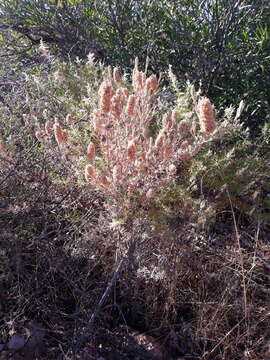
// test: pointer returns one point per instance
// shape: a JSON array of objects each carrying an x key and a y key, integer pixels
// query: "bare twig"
[
  {"x": 86, "y": 334},
  {"x": 247, "y": 245}
]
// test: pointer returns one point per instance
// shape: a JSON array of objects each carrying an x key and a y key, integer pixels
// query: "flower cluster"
[{"x": 124, "y": 155}]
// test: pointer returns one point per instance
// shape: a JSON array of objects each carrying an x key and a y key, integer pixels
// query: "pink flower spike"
[
  {"x": 89, "y": 173},
  {"x": 91, "y": 151},
  {"x": 206, "y": 116}
]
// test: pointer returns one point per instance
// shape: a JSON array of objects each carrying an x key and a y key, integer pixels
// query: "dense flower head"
[
  {"x": 152, "y": 82},
  {"x": 125, "y": 91},
  {"x": 167, "y": 151},
  {"x": 130, "y": 109},
  {"x": 116, "y": 76},
  {"x": 58, "y": 133},
  {"x": 183, "y": 127},
  {"x": 138, "y": 82},
  {"x": 64, "y": 136},
  {"x": 91, "y": 151},
  {"x": 206, "y": 116},
  {"x": 131, "y": 149},
  {"x": 105, "y": 97},
  {"x": 89, "y": 172},
  {"x": 116, "y": 106},
  {"x": 160, "y": 140}
]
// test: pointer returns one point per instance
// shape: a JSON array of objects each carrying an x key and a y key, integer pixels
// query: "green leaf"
[{"x": 29, "y": 21}]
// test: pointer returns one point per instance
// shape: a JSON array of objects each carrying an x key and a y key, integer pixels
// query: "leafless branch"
[{"x": 86, "y": 334}]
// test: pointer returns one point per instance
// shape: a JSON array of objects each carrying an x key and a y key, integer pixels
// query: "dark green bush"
[{"x": 223, "y": 44}]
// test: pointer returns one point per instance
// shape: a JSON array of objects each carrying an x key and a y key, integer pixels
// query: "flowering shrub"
[
  {"x": 138, "y": 143},
  {"x": 132, "y": 146}
]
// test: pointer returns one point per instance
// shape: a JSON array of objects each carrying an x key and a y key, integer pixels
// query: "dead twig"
[
  {"x": 86, "y": 334},
  {"x": 248, "y": 246}
]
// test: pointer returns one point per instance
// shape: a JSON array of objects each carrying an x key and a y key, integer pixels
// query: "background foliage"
[{"x": 224, "y": 44}]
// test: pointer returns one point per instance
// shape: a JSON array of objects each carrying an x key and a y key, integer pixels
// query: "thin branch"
[{"x": 86, "y": 334}]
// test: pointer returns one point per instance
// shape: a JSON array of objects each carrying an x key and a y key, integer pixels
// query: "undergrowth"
[{"x": 93, "y": 158}]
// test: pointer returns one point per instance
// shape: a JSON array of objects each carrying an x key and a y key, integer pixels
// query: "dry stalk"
[
  {"x": 88, "y": 330},
  {"x": 209, "y": 353},
  {"x": 241, "y": 258}
]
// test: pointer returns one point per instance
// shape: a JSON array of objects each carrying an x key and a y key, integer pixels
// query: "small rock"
[{"x": 16, "y": 342}]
